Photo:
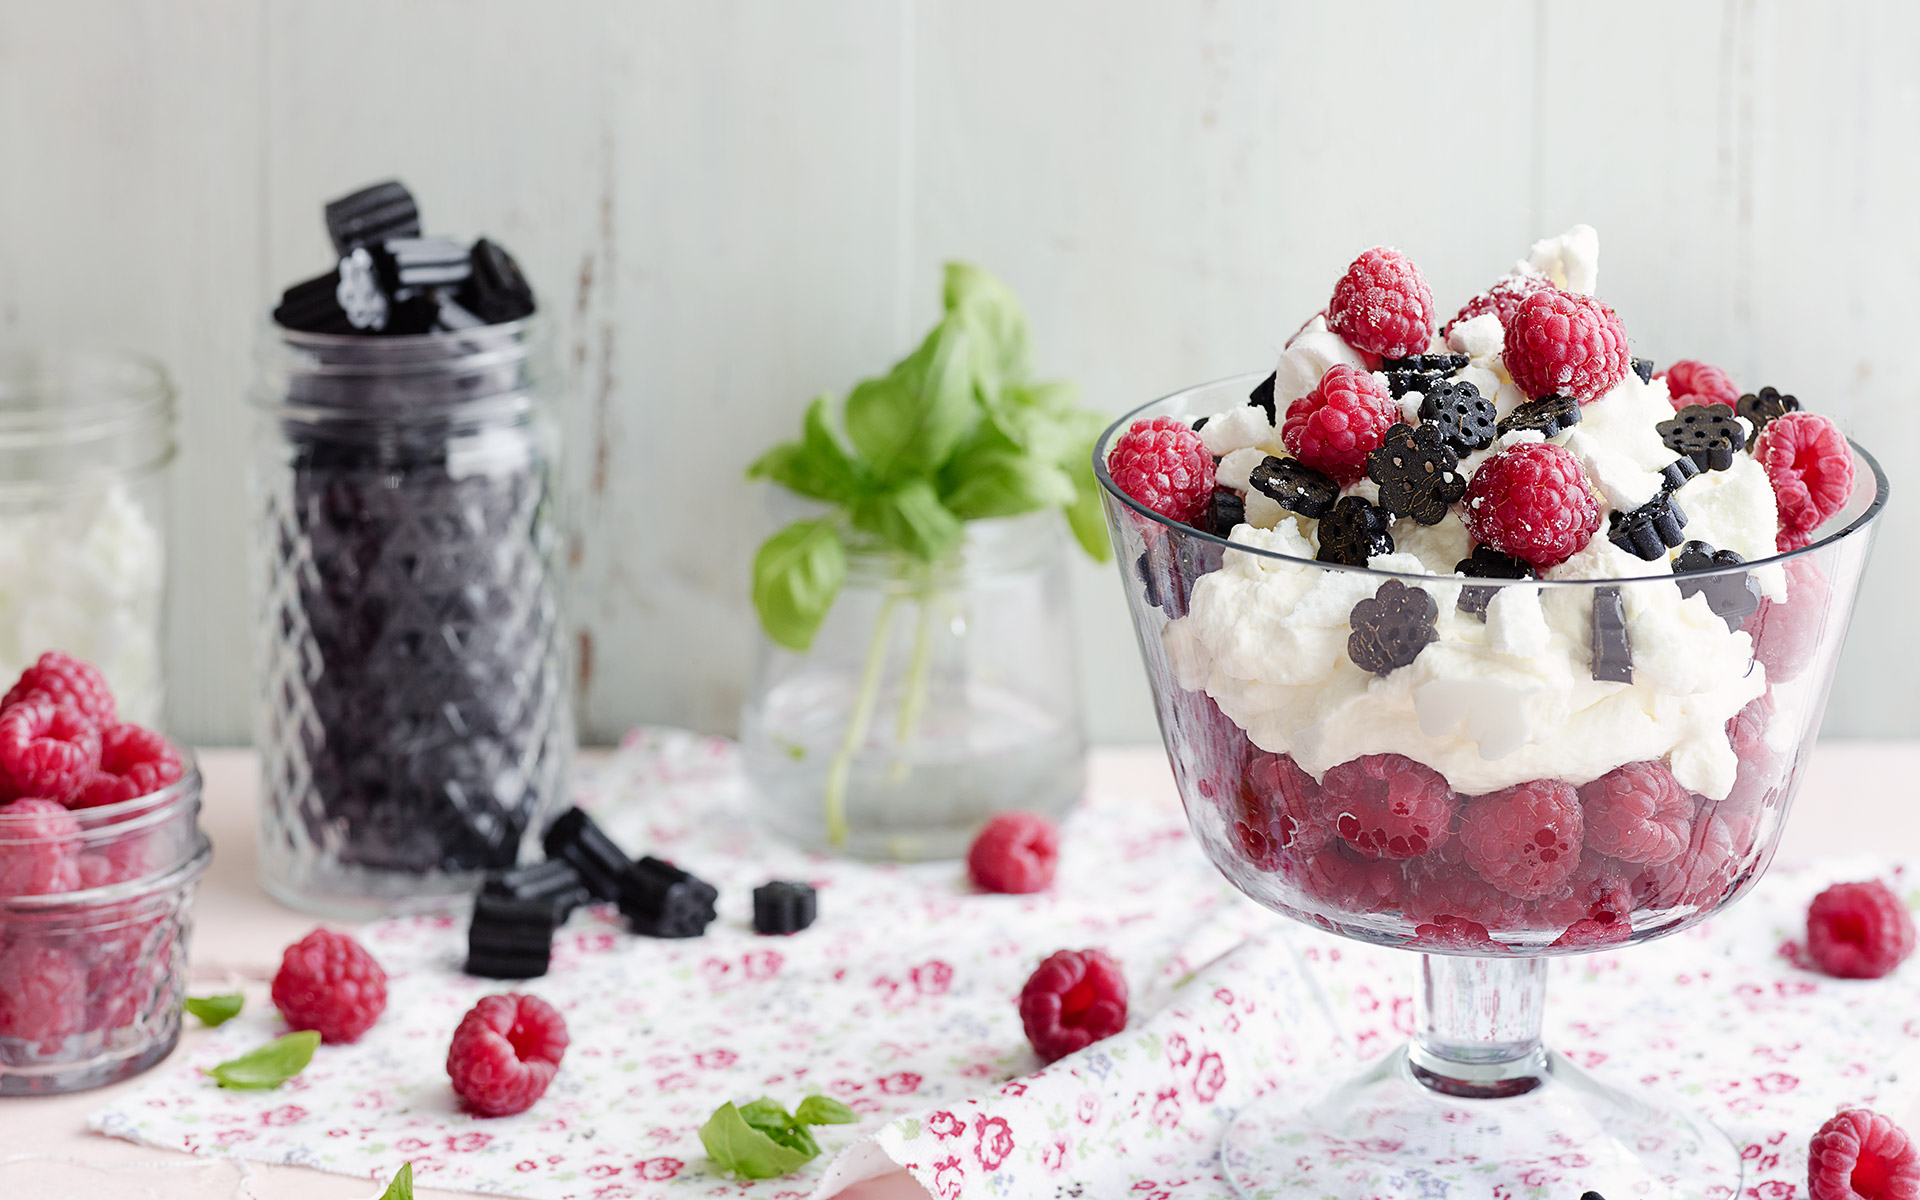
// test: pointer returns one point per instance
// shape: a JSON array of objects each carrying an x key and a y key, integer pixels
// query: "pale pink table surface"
[{"x": 1858, "y": 796}]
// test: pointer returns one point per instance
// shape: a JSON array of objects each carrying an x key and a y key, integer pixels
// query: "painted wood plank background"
[{"x": 733, "y": 204}]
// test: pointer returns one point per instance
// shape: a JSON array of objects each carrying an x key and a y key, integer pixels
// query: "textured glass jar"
[
  {"x": 932, "y": 698},
  {"x": 412, "y": 708},
  {"x": 85, "y": 440}
]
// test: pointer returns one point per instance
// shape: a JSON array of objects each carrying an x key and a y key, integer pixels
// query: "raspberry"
[
  {"x": 1811, "y": 469},
  {"x": 1524, "y": 840},
  {"x": 47, "y": 750},
  {"x": 1278, "y": 810},
  {"x": 30, "y": 863},
  {"x": 327, "y": 982},
  {"x": 1335, "y": 426},
  {"x": 1759, "y": 767},
  {"x": 1598, "y": 892},
  {"x": 1637, "y": 813},
  {"x": 133, "y": 970},
  {"x": 45, "y": 999},
  {"x": 1608, "y": 929},
  {"x": 1075, "y": 999},
  {"x": 1532, "y": 501},
  {"x": 1859, "y": 930},
  {"x": 1163, "y": 464},
  {"x": 1015, "y": 852},
  {"x": 1704, "y": 873},
  {"x": 1690, "y": 382},
  {"x": 1861, "y": 1155},
  {"x": 1503, "y": 299},
  {"x": 65, "y": 680},
  {"x": 1382, "y": 305},
  {"x": 1562, "y": 344},
  {"x": 133, "y": 762},
  {"x": 1388, "y": 806},
  {"x": 1786, "y": 633},
  {"x": 1442, "y": 886},
  {"x": 504, "y": 1053},
  {"x": 1454, "y": 933},
  {"x": 1341, "y": 881}
]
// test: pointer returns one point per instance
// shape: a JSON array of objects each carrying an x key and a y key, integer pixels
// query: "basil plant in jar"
[{"x": 918, "y": 671}]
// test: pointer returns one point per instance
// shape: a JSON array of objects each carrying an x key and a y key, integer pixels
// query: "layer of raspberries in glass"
[
  {"x": 81, "y": 800},
  {"x": 1431, "y": 431}
]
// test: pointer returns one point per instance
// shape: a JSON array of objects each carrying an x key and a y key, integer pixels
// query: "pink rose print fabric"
[{"x": 900, "y": 1001}]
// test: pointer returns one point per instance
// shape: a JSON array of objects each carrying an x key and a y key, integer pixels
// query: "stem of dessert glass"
[
  {"x": 858, "y": 723},
  {"x": 1477, "y": 1026}
]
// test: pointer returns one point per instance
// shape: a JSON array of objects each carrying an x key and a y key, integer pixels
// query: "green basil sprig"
[
  {"x": 762, "y": 1140},
  {"x": 402, "y": 1186},
  {"x": 957, "y": 431},
  {"x": 216, "y": 1010},
  {"x": 271, "y": 1065}
]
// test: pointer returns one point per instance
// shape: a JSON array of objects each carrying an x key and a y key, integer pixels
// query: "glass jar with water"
[{"x": 933, "y": 696}]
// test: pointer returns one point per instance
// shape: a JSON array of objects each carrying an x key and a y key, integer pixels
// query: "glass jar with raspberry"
[
  {"x": 1490, "y": 766},
  {"x": 413, "y": 715}
]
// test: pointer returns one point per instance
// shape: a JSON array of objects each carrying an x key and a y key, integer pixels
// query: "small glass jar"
[
  {"x": 413, "y": 711},
  {"x": 85, "y": 440},
  {"x": 932, "y": 697},
  {"x": 95, "y": 913}
]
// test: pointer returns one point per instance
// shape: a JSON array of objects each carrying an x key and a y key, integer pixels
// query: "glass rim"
[
  {"x": 111, "y": 390},
  {"x": 188, "y": 870},
  {"x": 1107, "y": 435},
  {"x": 139, "y": 813}
]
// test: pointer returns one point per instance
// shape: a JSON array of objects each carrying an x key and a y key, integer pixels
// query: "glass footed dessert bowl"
[{"x": 1487, "y": 771}]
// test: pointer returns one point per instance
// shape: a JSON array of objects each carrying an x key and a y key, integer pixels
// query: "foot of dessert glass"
[{"x": 1559, "y": 766}]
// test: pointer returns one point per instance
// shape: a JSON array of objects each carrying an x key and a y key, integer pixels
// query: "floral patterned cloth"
[{"x": 900, "y": 1002}]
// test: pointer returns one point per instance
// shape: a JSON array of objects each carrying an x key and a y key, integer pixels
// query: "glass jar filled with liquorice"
[{"x": 412, "y": 702}]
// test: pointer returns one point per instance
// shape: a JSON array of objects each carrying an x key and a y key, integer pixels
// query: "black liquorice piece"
[
  {"x": 1612, "y": 660},
  {"x": 364, "y": 296},
  {"x": 1443, "y": 364},
  {"x": 1762, "y": 408},
  {"x": 372, "y": 214},
  {"x": 1675, "y": 474},
  {"x": 1733, "y": 598},
  {"x": 1229, "y": 509},
  {"x": 1417, "y": 473},
  {"x": 1354, "y": 531},
  {"x": 1200, "y": 423},
  {"x": 313, "y": 306},
  {"x": 1262, "y": 397},
  {"x": 1399, "y": 383},
  {"x": 1487, "y": 563},
  {"x": 555, "y": 881},
  {"x": 603, "y": 866},
  {"x": 1295, "y": 486},
  {"x": 1547, "y": 416},
  {"x": 495, "y": 291},
  {"x": 1648, "y": 531},
  {"x": 1643, "y": 367},
  {"x": 661, "y": 900},
  {"x": 1463, "y": 416},
  {"x": 423, "y": 262},
  {"x": 782, "y": 907},
  {"x": 511, "y": 937},
  {"x": 451, "y": 317},
  {"x": 1706, "y": 433},
  {"x": 1391, "y": 627}
]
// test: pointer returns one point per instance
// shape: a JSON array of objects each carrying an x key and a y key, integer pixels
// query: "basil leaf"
[
  {"x": 1040, "y": 418},
  {"x": 271, "y": 1065},
  {"x": 1085, "y": 516},
  {"x": 816, "y": 465},
  {"x": 736, "y": 1146},
  {"x": 402, "y": 1186},
  {"x": 996, "y": 324},
  {"x": 796, "y": 574},
  {"x": 1004, "y": 484},
  {"x": 910, "y": 519},
  {"x": 771, "y": 1117},
  {"x": 216, "y": 1010},
  {"x": 908, "y": 422},
  {"x": 824, "y": 1110}
]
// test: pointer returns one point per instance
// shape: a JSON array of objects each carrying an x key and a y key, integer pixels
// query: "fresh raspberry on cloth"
[
  {"x": 1277, "y": 810},
  {"x": 1382, "y": 305},
  {"x": 504, "y": 1053},
  {"x": 1562, "y": 344},
  {"x": 1014, "y": 852},
  {"x": 1638, "y": 813},
  {"x": 1690, "y": 382},
  {"x": 1336, "y": 425},
  {"x": 133, "y": 762},
  {"x": 39, "y": 849},
  {"x": 45, "y": 999},
  {"x": 1859, "y": 930},
  {"x": 1811, "y": 468},
  {"x": 65, "y": 679},
  {"x": 1503, "y": 299},
  {"x": 1861, "y": 1155},
  {"x": 1163, "y": 464},
  {"x": 1074, "y": 999},
  {"x": 1534, "y": 502},
  {"x": 1388, "y": 806},
  {"x": 327, "y": 982},
  {"x": 1526, "y": 839},
  {"x": 47, "y": 750}
]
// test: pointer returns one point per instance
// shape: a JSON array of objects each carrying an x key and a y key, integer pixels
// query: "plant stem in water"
[
  {"x": 913, "y": 701},
  {"x": 857, "y": 724}
]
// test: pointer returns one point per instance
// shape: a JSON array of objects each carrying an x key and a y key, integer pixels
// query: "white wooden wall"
[{"x": 733, "y": 205}]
